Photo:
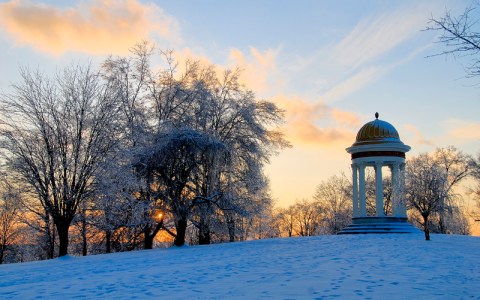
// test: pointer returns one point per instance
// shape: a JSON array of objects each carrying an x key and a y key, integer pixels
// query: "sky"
[
  {"x": 329, "y": 64},
  {"x": 358, "y": 266}
]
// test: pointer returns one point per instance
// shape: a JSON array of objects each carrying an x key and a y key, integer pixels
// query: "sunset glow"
[{"x": 330, "y": 65}]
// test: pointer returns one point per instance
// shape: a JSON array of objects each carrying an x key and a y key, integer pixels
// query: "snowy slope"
[{"x": 349, "y": 267}]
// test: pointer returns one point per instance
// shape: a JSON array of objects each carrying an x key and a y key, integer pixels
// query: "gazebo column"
[
  {"x": 403, "y": 206},
  {"x": 379, "y": 189},
  {"x": 355, "y": 190},
  {"x": 362, "y": 195},
  {"x": 396, "y": 200}
]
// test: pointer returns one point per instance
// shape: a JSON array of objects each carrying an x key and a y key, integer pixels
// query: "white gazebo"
[{"x": 378, "y": 146}]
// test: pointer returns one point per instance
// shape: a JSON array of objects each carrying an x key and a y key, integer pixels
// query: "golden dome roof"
[{"x": 377, "y": 132}]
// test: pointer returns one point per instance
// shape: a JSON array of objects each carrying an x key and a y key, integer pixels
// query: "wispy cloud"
[
  {"x": 98, "y": 27},
  {"x": 367, "y": 76},
  {"x": 361, "y": 57},
  {"x": 354, "y": 83},
  {"x": 451, "y": 132},
  {"x": 374, "y": 37}
]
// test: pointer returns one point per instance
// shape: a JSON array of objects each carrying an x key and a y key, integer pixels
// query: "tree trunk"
[
  {"x": 108, "y": 241},
  {"x": 203, "y": 233},
  {"x": 441, "y": 224},
  {"x": 148, "y": 239},
  {"x": 62, "y": 230},
  {"x": 425, "y": 227},
  {"x": 2, "y": 250},
  {"x": 49, "y": 237},
  {"x": 181, "y": 230},
  {"x": 231, "y": 228},
  {"x": 290, "y": 228},
  {"x": 84, "y": 234}
]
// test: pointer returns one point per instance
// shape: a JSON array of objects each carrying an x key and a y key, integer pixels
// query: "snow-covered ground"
[{"x": 392, "y": 266}]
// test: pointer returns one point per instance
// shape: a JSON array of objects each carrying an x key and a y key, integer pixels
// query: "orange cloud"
[
  {"x": 259, "y": 68},
  {"x": 303, "y": 119},
  {"x": 98, "y": 27},
  {"x": 346, "y": 118},
  {"x": 189, "y": 54},
  {"x": 418, "y": 137},
  {"x": 463, "y": 130}
]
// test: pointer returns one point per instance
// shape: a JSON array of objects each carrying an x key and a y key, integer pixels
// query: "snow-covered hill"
[{"x": 348, "y": 267}]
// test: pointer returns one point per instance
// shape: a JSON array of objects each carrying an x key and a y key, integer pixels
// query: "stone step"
[{"x": 379, "y": 228}]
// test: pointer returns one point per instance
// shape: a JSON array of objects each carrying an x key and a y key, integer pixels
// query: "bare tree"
[
  {"x": 284, "y": 217},
  {"x": 39, "y": 221},
  {"x": 307, "y": 218},
  {"x": 54, "y": 134},
  {"x": 9, "y": 217},
  {"x": 459, "y": 36}
]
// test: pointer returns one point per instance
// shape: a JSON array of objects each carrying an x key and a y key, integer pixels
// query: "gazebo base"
[{"x": 368, "y": 225}]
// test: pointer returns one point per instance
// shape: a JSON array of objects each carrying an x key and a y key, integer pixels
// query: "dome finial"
[{"x": 376, "y": 115}]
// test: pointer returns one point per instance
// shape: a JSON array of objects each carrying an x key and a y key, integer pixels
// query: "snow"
[{"x": 394, "y": 266}]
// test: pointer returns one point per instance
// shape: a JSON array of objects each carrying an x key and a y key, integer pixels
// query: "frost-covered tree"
[
  {"x": 170, "y": 166},
  {"x": 54, "y": 133},
  {"x": 475, "y": 168},
  {"x": 256, "y": 220},
  {"x": 426, "y": 189},
  {"x": 220, "y": 181},
  {"x": 456, "y": 166},
  {"x": 261, "y": 225},
  {"x": 334, "y": 197},
  {"x": 430, "y": 182},
  {"x": 114, "y": 210}
]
